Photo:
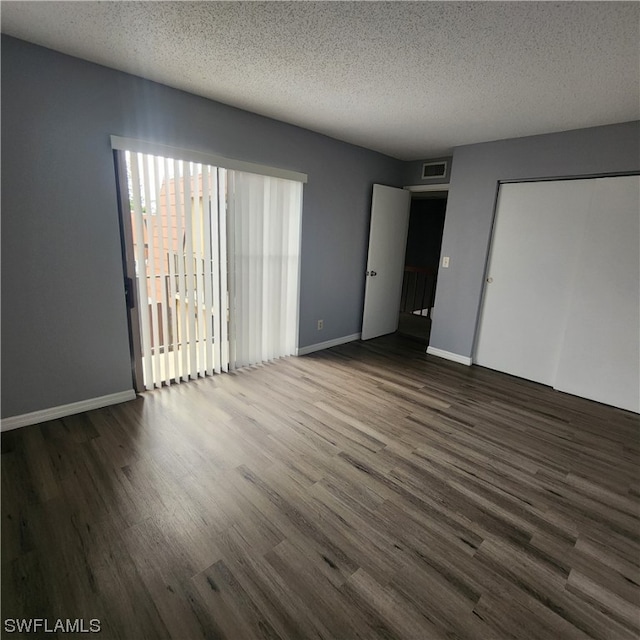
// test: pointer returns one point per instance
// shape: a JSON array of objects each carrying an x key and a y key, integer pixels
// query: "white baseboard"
[
  {"x": 448, "y": 355},
  {"x": 14, "y": 422},
  {"x": 327, "y": 345}
]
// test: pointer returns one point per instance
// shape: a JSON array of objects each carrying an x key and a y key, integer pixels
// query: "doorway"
[
  {"x": 422, "y": 258},
  {"x": 211, "y": 258}
]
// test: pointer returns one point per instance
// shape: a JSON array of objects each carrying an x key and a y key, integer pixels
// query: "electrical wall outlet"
[
  {"x": 445, "y": 262},
  {"x": 320, "y": 325}
]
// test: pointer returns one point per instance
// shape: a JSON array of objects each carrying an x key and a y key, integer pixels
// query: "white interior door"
[
  {"x": 385, "y": 263},
  {"x": 533, "y": 254}
]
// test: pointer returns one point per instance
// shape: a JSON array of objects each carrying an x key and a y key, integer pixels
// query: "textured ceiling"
[{"x": 409, "y": 79}]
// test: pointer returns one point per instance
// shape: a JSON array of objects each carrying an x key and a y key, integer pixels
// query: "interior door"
[{"x": 385, "y": 263}]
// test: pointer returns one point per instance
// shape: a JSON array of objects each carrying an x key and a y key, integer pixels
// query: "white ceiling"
[{"x": 409, "y": 79}]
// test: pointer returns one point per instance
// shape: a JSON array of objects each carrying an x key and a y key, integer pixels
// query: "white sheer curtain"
[{"x": 263, "y": 231}]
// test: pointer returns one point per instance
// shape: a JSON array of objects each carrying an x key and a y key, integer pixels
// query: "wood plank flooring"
[{"x": 367, "y": 491}]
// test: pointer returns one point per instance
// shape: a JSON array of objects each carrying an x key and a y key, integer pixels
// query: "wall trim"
[
  {"x": 302, "y": 351},
  {"x": 63, "y": 410},
  {"x": 418, "y": 188},
  {"x": 448, "y": 355},
  {"x": 585, "y": 176}
]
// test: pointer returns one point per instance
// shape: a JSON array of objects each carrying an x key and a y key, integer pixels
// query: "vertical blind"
[
  {"x": 264, "y": 232},
  {"x": 217, "y": 266}
]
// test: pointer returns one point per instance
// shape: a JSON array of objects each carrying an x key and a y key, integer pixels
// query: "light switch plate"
[{"x": 445, "y": 262}]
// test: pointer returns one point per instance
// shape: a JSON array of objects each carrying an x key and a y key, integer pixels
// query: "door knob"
[
  {"x": 374, "y": 273},
  {"x": 489, "y": 279}
]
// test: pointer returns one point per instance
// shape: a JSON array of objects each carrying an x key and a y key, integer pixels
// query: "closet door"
[
  {"x": 534, "y": 249},
  {"x": 600, "y": 355}
]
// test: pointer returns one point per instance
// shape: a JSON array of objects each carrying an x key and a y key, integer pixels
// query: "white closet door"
[
  {"x": 535, "y": 243},
  {"x": 600, "y": 355}
]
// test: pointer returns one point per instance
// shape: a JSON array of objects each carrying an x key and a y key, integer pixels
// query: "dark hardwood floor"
[
  {"x": 418, "y": 328},
  {"x": 368, "y": 491}
]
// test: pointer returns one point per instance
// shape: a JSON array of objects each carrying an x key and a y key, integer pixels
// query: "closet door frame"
[{"x": 492, "y": 245}]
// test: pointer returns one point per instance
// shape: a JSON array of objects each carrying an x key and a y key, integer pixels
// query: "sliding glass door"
[
  {"x": 264, "y": 254},
  {"x": 214, "y": 261}
]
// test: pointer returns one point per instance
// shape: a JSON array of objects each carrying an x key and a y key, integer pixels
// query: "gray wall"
[
  {"x": 64, "y": 329},
  {"x": 473, "y": 187}
]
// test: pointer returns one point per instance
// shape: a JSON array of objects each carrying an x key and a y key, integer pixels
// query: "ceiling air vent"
[{"x": 434, "y": 170}]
